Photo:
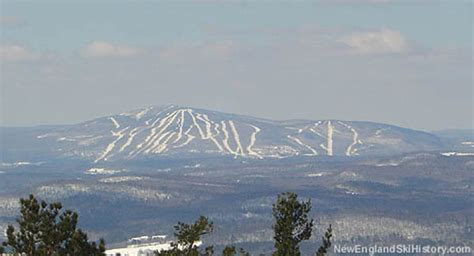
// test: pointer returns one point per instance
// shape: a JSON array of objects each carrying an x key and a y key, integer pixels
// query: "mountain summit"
[{"x": 172, "y": 130}]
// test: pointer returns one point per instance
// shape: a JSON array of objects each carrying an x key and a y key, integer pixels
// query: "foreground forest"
[
  {"x": 415, "y": 198},
  {"x": 48, "y": 230}
]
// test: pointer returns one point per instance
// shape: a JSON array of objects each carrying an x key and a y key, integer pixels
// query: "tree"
[
  {"x": 231, "y": 251},
  {"x": 292, "y": 224},
  {"x": 323, "y": 249},
  {"x": 187, "y": 236},
  {"x": 46, "y": 229}
]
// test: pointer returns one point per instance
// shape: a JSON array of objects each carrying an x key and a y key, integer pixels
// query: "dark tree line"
[
  {"x": 48, "y": 230},
  {"x": 292, "y": 226}
]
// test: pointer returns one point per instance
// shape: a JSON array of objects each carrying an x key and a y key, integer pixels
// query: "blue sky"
[
  {"x": 323, "y": 59},
  {"x": 68, "y": 25}
]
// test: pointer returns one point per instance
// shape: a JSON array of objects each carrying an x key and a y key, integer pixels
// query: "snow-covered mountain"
[{"x": 170, "y": 130}]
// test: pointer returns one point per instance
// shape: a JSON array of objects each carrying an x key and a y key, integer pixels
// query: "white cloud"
[
  {"x": 383, "y": 41},
  {"x": 97, "y": 49},
  {"x": 13, "y": 52}
]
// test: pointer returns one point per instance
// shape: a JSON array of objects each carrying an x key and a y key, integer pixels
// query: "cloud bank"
[
  {"x": 383, "y": 41},
  {"x": 375, "y": 75}
]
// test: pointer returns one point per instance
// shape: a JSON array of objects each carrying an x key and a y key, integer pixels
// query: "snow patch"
[
  {"x": 314, "y": 152},
  {"x": 102, "y": 171},
  {"x": 142, "y": 249},
  {"x": 457, "y": 154},
  {"x": 117, "y": 125},
  {"x": 121, "y": 179},
  {"x": 253, "y": 139},
  {"x": 469, "y": 143},
  {"x": 319, "y": 174},
  {"x": 21, "y": 163}
]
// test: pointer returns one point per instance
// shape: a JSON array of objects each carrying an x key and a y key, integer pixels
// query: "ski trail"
[
  {"x": 157, "y": 146},
  {"x": 226, "y": 138},
  {"x": 157, "y": 142},
  {"x": 216, "y": 128},
  {"x": 253, "y": 139},
  {"x": 190, "y": 112},
  {"x": 151, "y": 140},
  {"x": 189, "y": 137},
  {"x": 152, "y": 129},
  {"x": 300, "y": 130},
  {"x": 209, "y": 134},
  {"x": 181, "y": 123},
  {"x": 315, "y": 153},
  {"x": 350, "y": 150},
  {"x": 140, "y": 114},
  {"x": 132, "y": 134},
  {"x": 312, "y": 129},
  {"x": 117, "y": 125},
  {"x": 162, "y": 146},
  {"x": 159, "y": 113},
  {"x": 236, "y": 138},
  {"x": 111, "y": 146},
  {"x": 330, "y": 141},
  {"x": 208, "y": 126}
]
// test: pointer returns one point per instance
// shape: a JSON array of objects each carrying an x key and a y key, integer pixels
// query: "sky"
[{"x": 407, "y": 63}]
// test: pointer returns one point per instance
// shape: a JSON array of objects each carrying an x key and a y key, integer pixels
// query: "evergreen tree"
[
  {"x": 45, "y": 229},
  {"x": 292, "y": 224},
  {"x": 323, "y": 249},
  {"x": 229, "y": 251},
  {"x": 232, "y": 251},
  {"x": 187, "y": 236}
]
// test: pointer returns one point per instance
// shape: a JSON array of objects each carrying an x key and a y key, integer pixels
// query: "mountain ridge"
[{"x": 169, "y": 130}]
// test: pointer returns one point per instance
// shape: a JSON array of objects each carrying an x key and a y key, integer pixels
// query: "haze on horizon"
[{"x": 395, "y": 62}]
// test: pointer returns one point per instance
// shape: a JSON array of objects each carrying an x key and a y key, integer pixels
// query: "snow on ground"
[
  {"x": 253, "y": 139},
  {"x": 120, "y": 179},
  {"x": 457, "y": 154},
  {"x": 117, "y": 125},
  {"x": 147, "y": 249},
  {"x": 141, "y": 249},
  {"x": 319, "y": 174},
  {"x": 355, "y": 140},
  {"x": 16, "y": 164},
  {"x": 330, "y": 141},
  {"x": 390, "y": 163},
  {"x": 469, "y": 143},
  {"x": 102, "y": 171},
  {"x": 314, "y": 152},
  {"x": 111, "y": 146}
]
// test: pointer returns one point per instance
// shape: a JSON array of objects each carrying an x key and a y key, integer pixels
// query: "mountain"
[
  {"x": 175, "y": 131},
  {"x": 138, "y": 173}
]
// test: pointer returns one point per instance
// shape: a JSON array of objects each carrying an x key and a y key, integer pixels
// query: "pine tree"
[
  {"x": 229, "y": 251},
  {"x": 187, "y": 236},
  {"x": 46, "y": 229},
  {"x": 292, "y": 224},
  {"x": 323, "y": 249},
  {"x": 232, "y": 251}
]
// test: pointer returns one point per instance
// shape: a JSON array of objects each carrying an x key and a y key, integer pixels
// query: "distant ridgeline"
[{"x": 174, "y": 131}]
